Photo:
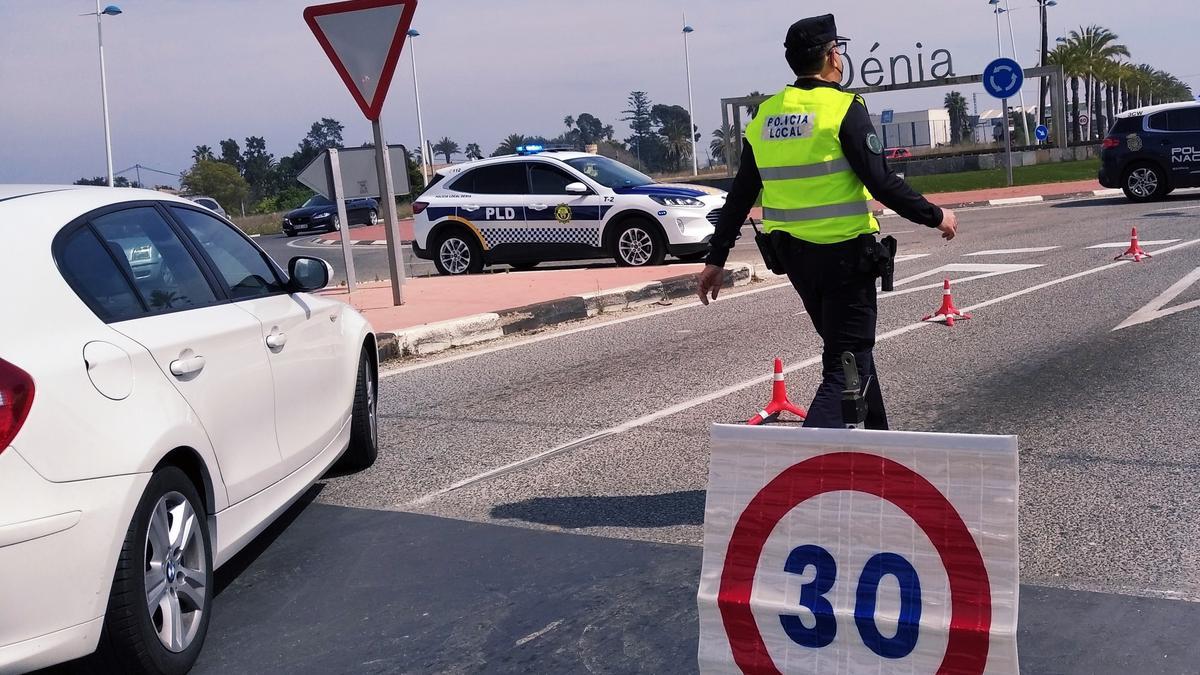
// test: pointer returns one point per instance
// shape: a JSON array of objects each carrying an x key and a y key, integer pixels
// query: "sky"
[{"x": 188, "y": 72}]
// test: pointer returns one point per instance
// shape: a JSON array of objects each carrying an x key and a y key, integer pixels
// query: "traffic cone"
[
  {"x": 779, "y": 400},
  {"x": 1134, "y": 252},
  {"x": 947, "y": 312}
]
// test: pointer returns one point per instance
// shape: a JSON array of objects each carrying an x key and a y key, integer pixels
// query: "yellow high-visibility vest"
[{"x": 809, "y": 190}]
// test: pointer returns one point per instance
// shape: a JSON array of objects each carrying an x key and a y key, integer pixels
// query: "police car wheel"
[
  {"x": 638, "y": 244},
  {"x": 458, "y": 253},
  {"x": 373, "y": 217},
  {"x": 1143, "y": 183}
]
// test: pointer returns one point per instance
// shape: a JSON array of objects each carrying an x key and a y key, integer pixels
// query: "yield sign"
[{"x": 363, "y": 39}]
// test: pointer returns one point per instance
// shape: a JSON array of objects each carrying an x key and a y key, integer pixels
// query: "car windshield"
[
  {"x": 318, "y": 200},
  {"x": 608, "y": 172}
]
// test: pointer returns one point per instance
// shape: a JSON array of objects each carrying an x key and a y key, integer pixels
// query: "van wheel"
[
  {"x": 458, "y": 253},
  {"x": 1144, "y": 182},
  {"x": 161, "y": 597},
  {"x": 638, "y": 244},
  {"x": 364, "y": 419}
]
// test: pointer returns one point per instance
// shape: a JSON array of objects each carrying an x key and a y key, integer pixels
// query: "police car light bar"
[{"x": 529, "y": 149}]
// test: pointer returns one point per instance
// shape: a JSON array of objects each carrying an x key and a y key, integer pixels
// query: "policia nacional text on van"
[{"x": 812, "y": 151}]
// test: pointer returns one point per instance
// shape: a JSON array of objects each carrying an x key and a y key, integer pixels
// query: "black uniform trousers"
[{"x": 837, "y": 284}]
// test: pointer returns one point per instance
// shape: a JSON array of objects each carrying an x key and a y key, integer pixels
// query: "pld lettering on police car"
[
  {"x": 782, "y": 127},
  {"x": 499, "y": 213},
  {"x": 1185, "y": 155}
]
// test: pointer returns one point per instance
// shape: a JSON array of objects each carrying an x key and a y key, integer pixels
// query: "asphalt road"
[{"x": 538, "y": 504}]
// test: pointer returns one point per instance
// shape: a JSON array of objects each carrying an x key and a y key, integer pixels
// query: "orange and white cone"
[
  {"x": 947, "y": 313},
  {"x": 1134, "y": 252},
  {"x": 779, "y": 400}
]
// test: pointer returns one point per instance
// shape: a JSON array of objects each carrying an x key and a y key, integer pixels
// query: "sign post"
[
  {"x": 363, "y": 40},
  {"x": 339, "y": 198},
  {"x": 1002, "y": 78}
]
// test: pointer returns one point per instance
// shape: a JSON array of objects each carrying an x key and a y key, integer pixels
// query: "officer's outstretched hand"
[
  {"x": 949, "y": 226},
  {"x": 709, "y": 282}
]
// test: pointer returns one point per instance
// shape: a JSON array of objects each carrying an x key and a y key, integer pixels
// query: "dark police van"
[{"x": 1151, "y": 151}]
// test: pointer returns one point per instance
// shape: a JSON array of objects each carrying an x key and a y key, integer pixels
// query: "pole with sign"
[
  {"x": 363, "y": 40},
  {"x": 339, "y": 198},
  {"x": 1003, "y": 78}
]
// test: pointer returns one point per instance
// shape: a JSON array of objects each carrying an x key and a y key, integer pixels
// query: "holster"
[
  {"x": 879, "y": 259},
  {"x": 767, "y": 250}
]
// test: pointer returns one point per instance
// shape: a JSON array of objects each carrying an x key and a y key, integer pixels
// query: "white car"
[
  {"x": 552, "y": 205},
  {"x": 210, "y": 204},
  {"x": 165, "y": 392}
]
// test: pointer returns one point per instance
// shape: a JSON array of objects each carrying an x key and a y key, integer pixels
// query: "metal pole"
[
  {"x": 412, "y": 52},
  {"x": 728, "y": 131},
  {"x": 691, "y": 123},
  {"x": 339, "y": 197},
  {"x": 138, "y": 168},
  {"x": 1007, "y": 143},
  {"x": 395, "y": 253},
  {"x": 104, "y": 98},
  {"x": 1042, "y": 117},
  {"x": 1021, "y": 91},
  {"x": 999, "y": 49}
]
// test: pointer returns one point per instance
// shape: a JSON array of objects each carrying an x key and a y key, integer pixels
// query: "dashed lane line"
[{"x": 629, "y": 425}]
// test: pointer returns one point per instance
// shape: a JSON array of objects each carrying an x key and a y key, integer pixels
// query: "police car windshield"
[
  {"x": 609, "y": 173},
  {"x": 318, "y": 200}
]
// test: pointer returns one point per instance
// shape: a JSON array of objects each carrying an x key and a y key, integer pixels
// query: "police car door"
[
  {"x": 569, "y": 223},
  {"x": 1183, "y": 126},
  {"x": 496, "y": 203}
]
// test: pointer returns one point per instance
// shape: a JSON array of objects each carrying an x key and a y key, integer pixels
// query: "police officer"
[{"x": 813, "y": 152}]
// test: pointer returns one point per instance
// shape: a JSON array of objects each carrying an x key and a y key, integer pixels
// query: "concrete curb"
[
  {"x": 1012, "y": 201},
  {"x": 437, "y": 337}
]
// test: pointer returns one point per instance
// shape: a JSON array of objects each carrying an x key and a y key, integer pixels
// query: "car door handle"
[
  {"x": 188, "y": 366},
  {"x": 538, "y": 207},
  {"x": 277, "y": 340},
  {"x": 469, "y": 207}
]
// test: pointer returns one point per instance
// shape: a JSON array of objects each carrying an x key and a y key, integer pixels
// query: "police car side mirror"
[{"x": 576, "y": 188}]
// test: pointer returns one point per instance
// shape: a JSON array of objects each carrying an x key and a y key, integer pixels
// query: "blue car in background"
[
  {"x": 1151, "y": 151},
  {"x": 320, "y": 214}
]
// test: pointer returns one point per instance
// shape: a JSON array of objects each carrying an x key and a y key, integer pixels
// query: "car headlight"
[
  {"x": 323, "y": 214},
  {"x": 677, "y": 201}
]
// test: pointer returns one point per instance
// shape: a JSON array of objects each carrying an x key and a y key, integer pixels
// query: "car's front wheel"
[
  {"x": 373, "y": 217},
  {"x": 1144, "y": 182},
  {"x": 335, "y": 224},
  {"x": 161, "y": 597},
  {"x": 458, "y": 253},
  {"x": 364, "y": 418},
  {"x": 637, "y": 243}
]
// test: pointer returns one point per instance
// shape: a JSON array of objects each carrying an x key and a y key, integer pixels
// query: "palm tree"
[
  {"x": 960, "y": 120},
  {"x": 1067, "y": 55},
  {"x": 753, "y": 109},
  {"x": 473, "y": 151},
  {"x": 446, "y": 147},
  {"x": 509, "y": 145},
  {"x": 1097, "y": 46},
  {"x": 202, "y": 153},
  {"x": 716, "y": 148}
]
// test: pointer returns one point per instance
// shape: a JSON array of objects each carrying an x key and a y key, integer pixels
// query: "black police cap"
[{"x": 812, "y": 33}]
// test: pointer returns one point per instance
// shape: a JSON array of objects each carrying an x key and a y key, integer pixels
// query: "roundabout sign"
[{"x": 826, "y": 547}]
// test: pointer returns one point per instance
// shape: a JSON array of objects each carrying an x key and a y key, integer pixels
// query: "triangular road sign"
[
  {"x": 1155, "y": 310},
  {"x": 363, "y": 39}
]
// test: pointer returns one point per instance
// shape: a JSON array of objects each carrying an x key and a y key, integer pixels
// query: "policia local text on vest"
[{"x": 814, "y": 154}]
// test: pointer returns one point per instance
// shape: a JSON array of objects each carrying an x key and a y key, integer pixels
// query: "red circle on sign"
[{"x": 970, "y": 591}]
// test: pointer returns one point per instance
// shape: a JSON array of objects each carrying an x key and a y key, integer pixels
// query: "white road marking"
[
  {"x": 533, "y": 636},
  {"x": 897, "y": 232},
  {"x": 737, "y": 387},
  {"x": 1125, "y": 244},
  {"x": 910, "y": 256},
  {"x": 1154, "y": 310},
  {"x": 1006, "y": 251},
  {"x": 1176, "y": 208},
  {"x": 985, "y": 270}
]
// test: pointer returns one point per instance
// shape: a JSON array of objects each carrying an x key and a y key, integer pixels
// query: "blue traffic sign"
[
  {"x": 886, "y": 116},
  {"x": 1003, "y": 78},
  {"x": 1041, "y": 133}
]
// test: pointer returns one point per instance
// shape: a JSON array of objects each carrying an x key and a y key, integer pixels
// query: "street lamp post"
[
  {"x": 110, "y": 10},
  {"x": 1043, "y": 88},
  {"x": 412, "y": 52},
  {"x": 1021, "y": 93},
  {"x": 687, "y": 64}
]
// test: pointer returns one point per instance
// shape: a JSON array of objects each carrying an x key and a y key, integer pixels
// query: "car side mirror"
[
  {"x": 577, "y": 188},
  {"x": 307, "y": 274}
]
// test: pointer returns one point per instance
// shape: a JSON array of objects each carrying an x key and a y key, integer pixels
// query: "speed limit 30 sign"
[{"x": 859, "y": 551}]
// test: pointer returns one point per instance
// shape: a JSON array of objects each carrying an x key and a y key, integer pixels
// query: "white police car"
[{"x": 543, "y": 205}]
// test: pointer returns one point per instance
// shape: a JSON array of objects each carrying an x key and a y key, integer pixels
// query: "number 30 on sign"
[{"x": 859, "y": 551}]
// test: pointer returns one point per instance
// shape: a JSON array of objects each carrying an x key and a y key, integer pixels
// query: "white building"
[
  {"x": 916, "y": 129},
  {"x": 989, "y": 127}
]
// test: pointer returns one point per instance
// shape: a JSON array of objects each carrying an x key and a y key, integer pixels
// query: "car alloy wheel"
[
  {"x": 455, "y": 255},
  {"x": 373, "y": 217},
  {"x": 175, "y": 572},
  {"x": 1143, "y": 182},
  {"x": 372, "y": 407},
  {"x": 635, "y": 246},
  {"x": 337, "y": 224}
]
